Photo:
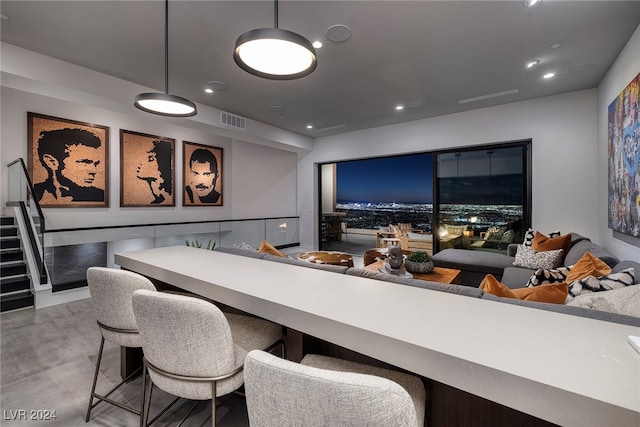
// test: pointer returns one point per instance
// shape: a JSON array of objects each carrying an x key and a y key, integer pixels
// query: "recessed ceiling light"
[
  {"x": 309, "y": 126},
  {"x": 317, "y": 44},
  {"x": 530, "y": 3},
  {"x": 548, "y": 75},
  {"x": 217, "y": 85},
  {"x": 208, "y": 90},
  {"x": 554, "y": 46},
  {"x": 4, "y": 17},
  {"x": 399, "y": 107},
  {"x": 532, "y": 63}
]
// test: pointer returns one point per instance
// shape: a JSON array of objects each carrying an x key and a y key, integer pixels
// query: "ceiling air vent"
[{"x": 232, "y": 120}]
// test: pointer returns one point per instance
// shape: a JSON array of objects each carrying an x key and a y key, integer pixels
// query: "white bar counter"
[{"x": 565, "y": 369}]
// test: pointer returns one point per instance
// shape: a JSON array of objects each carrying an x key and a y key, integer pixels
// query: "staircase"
[{"x": 15, "y": 284}]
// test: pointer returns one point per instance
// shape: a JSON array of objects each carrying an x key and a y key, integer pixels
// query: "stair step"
[
  {"x": 12, "y": 268},
  {"x": 9, "y": 242},
  {"x": 14, "y": 254},
  {"x": 6, "y": 231},
  {"x": 16, "y": 300},
  {"x": 68, "y": 286},
  {"x": 7, "y": 220},
  {"x": 14, "y": 283}
]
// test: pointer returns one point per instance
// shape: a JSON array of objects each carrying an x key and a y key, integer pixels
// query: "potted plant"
[
  {"x": 197, "y": 244},
  {"x": 418, "y": 262}
]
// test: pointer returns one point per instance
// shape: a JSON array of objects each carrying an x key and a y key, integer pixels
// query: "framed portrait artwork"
[
  {"x": 147, "y": 170},
  {"x": 68, "y": 162},
  {"x": 202, "y": 167}
]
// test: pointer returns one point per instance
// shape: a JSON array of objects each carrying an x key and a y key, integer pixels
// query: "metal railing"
[{"x": 21, "y": 193}]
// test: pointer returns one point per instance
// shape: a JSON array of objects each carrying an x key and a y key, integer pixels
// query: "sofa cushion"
[
  {"x": 588, "y": 265},
  {"x": 567, "y": 309},
  {"x": 624, "y": 301},
  {"x": 442, "y": 287},
  {"x": 552, "y": 293},
  {"x": 243, "y": 252},
  {"x": 579, "y": 247},
  {"x": 516, "y": 277},
  {"x": 604, "y": 283},
  {"x": 455, "y": 230},
  {"x": 530, "y": 258},
  {"x": 308, "y": 264},
  {"x": 474, "y": 261}
]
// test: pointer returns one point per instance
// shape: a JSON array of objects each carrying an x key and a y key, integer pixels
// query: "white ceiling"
[{"x": 430, "y": 52}]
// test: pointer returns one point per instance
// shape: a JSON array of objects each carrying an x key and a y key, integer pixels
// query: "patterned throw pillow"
[
  {"x": 531, "y": 233},
  {"x": 528, "y": 258},
  {"x": 554, "y": 275},
  {"x": 245, "y": 246},
  {"x": 455, "y": 230},
  {"x": 604, "y": 283}
]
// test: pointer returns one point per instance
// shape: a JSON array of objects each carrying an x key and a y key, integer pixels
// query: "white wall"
[
  {"x": 564, "y": 151},
  {"x": 250, "y": 188},
  {"x": 624, "y": 69},
  {"x": 263, "y": 180}
]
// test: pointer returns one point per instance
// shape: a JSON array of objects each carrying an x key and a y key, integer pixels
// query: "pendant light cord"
[
  {"x": 166, "y": 46},
  {"x": 275, "y": 13}
]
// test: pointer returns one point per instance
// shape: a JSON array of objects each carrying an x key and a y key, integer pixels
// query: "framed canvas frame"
[
  {"x": 147, "y": 170},
  {"x": 68, "y": 162},
  {"x": 202, "y": 175},
  {"x": 624, "y": 160}
]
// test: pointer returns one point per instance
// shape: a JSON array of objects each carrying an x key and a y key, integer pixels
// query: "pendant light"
[
  {"x": 165, "y": 104},
  {"x": 274, "y": 53}
]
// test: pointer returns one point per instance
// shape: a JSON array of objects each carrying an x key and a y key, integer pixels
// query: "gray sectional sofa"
[
  {"x": 476, "y": 265},
  {"x": 468, "y": 291}
]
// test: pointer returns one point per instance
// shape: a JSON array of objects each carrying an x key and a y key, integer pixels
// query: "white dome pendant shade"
[
  {"x": 165, "y": 104},
  {"x": 274, "y": 53}
]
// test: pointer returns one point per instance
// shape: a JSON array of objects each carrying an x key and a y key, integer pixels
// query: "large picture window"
[
  {"x": 462, "y": 198},
  {"x": 482, "y": 197}
]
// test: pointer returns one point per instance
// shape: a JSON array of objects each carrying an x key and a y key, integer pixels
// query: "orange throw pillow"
[
  {"x": 555, "y": 293},
  {"x": 270, "y": 249},
  {"x": 543, "y": 243},
  {"x": 493, "y": 286},
  {"x": 588, "y": 265}
]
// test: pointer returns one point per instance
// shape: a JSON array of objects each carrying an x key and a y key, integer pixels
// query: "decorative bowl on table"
[{"x": 419, "y": 262}]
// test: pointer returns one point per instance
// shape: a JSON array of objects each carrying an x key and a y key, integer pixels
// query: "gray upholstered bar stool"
[
  {"x": 192, "y": 350},
  {"x": 325, "y": 391},
  {"x": 111, "y": 290}
]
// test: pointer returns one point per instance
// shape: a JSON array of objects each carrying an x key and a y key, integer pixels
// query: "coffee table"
[
  {"x": 439, "y": 274},
  {"x": 328, "y": 257}
]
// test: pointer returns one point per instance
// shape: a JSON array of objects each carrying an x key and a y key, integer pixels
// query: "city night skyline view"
[
  {"x": 399, "y": 189},
  {"x": 397, "y": 179}
]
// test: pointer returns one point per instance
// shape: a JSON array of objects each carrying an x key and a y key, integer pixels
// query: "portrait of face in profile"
[
  {"x": 147, "y": 172},
  {"x": 202, "y": 168},
  {"x": 67, "y": 161}
]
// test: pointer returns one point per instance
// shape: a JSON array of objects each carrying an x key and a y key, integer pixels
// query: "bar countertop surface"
[{"x": 565, "y": 369}]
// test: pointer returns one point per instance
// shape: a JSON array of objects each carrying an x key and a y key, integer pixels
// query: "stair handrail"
[
  {"x": 31, "y": 189},
  {"x": 37, "y": 250}
]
